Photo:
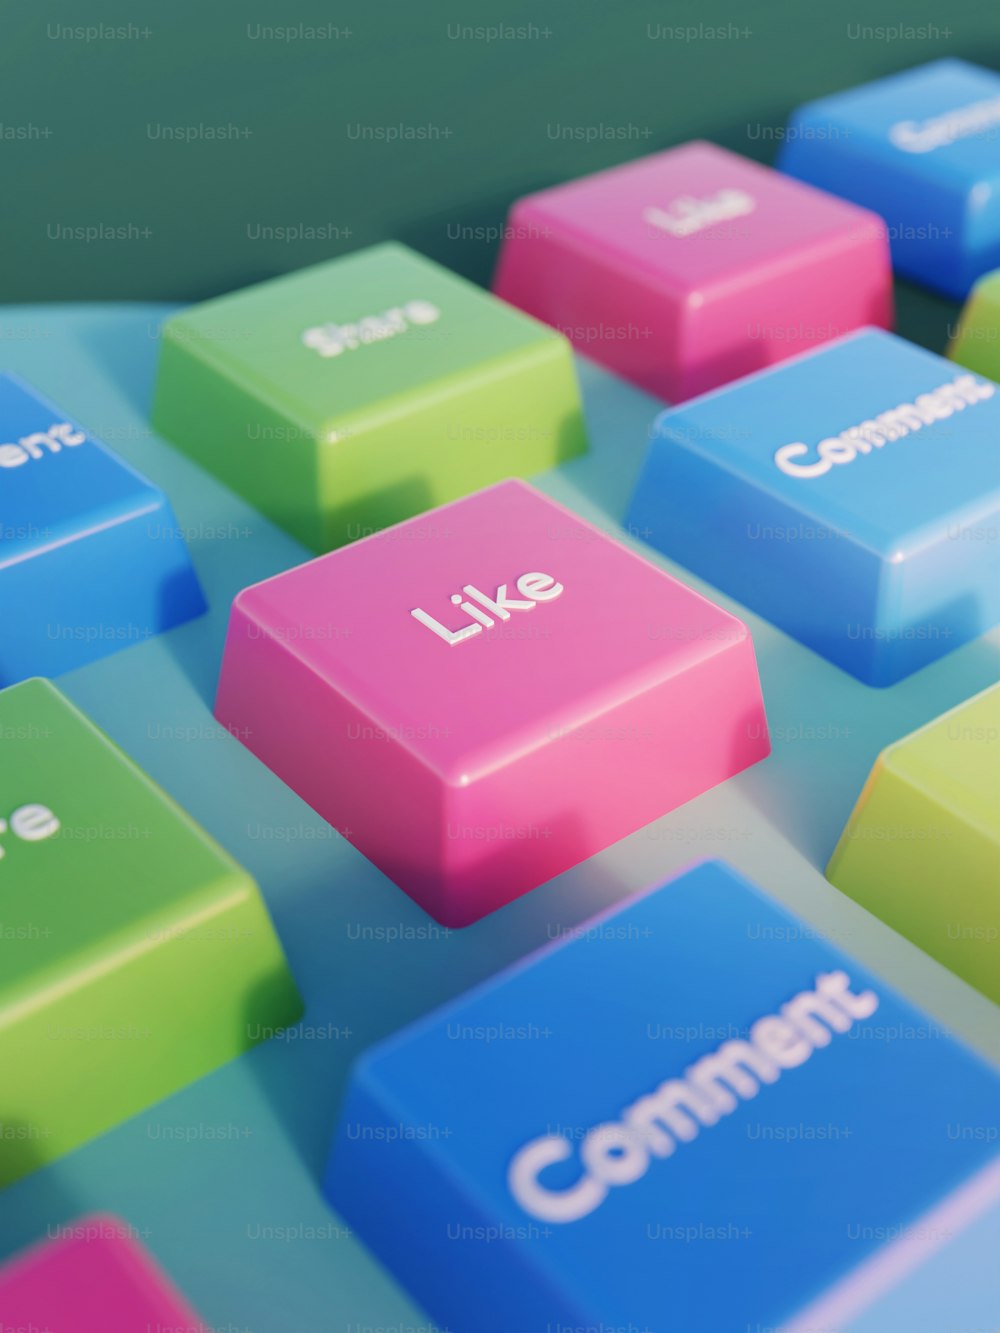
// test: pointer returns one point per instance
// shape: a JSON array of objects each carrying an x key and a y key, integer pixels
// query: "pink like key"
[
  {"x": 92, "y": 1278},
  {"x": 485, "y": 695},
  {"x": 689, "y": 268}
]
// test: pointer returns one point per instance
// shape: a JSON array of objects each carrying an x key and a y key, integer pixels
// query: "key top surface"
[
  {"x": 648, "y": 1117},
  {"x": 488, "y": 694},
  {"x": 919, "y": 148},
  {"x": 921, "y": 849},
  {"x": 94, "y": 1277},
  {"x": 90, "y": 556},
  {"x": 688, "y": 268},
  {"x": 836, "y": 496},
  {"x": 348, "y": 396},
  {"x": 143, "y": 956}
]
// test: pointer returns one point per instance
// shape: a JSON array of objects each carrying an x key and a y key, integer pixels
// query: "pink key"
[
  {"x": 94, "y": 1278},
  {"x": 686, "y": 269},
  {"x": 485, "y": 695}
]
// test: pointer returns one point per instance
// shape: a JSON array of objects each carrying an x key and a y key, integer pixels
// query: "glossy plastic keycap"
[
  {"x": 688, "y": 268},
  {"x": 921, "y": 849},
  {"x": 91, "y": 1276},
  {"x": 645, "y": 1121},
  {"x": 920, "y": 149},
  {"x": 840, "y": 496},
  {"x": 137, "y": 955},
  {"x": 975, "y": 340},
  {"x": 91, "y": 558},
  {"x": 483, "y": 696},
  {"x": 348, "y": 396}
]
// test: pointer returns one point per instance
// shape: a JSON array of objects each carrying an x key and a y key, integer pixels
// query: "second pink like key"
[{"x": 489, "y": 693}]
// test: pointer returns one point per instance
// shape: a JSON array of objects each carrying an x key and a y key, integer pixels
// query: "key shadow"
[
  {"x": 619, "y": 421},
  {"x": 386, "y": 963},
  {"x": 33, "y": 1195},
  {"x": 925, "y": 317}
]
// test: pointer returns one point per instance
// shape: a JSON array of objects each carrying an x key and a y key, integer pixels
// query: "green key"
[
  {"x": 976, "y": 340},
  {"x": 347, "y": 397},
  {"x": 922, "y": 848},
  {"x": 135, "y": 954}
]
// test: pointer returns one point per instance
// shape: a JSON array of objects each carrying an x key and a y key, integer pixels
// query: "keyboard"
[{"x": 364, "y": 964}]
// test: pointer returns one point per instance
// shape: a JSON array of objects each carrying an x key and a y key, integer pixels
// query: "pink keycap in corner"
[
  {"x": 92, "y": 1278},
  {"x": 485, "y": 695},
  {"x": 688, "y": 268}
]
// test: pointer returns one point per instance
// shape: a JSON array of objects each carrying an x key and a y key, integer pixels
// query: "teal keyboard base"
[{"x": 221, "y": 1181}]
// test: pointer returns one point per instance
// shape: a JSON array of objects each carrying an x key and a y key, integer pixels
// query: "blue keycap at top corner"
[{"x": 920, "y": 149}]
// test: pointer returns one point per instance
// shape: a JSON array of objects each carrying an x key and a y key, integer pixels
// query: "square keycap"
[
  {"x": 688, "y": 268},
  {"x": 91, "y": 558},
  {"x": 839, "y": 496},
  {"x": 922, "y": 848},
  {"x": 91, "y": 1276},
  {"x": 692, "y": 1115},
  {"x": 346, "y": 397},
  {"x": 920, "y": 149},
  {"x": 484, "y": 696},
  {"x": 136, "y": 956}
]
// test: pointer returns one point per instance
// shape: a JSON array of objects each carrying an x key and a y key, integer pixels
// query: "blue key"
[
  {"x": 91, "y": 559},
  {"x": 844, "y": 496},
  {"x": 692, "y": 1116},
  {"x": 920, "y": 148}
]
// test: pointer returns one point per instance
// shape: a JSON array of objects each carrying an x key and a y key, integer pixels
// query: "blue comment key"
[
  {"x": 577, "y": 1136},
  {"x": 846, "y": 496}
]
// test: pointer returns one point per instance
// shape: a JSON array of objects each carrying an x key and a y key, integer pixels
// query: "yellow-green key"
[
  {"x": 135, "y": 954},
  {"x": 347, "y": 397},
  {"x": 976, "y": 338},
  {"x": 922, "y": 848}
]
